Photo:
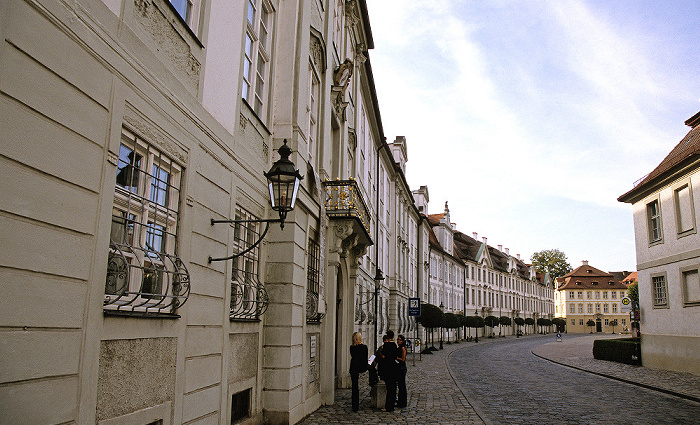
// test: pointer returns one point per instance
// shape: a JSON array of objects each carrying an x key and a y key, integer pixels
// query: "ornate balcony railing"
[{"x": 344, "y": 200}]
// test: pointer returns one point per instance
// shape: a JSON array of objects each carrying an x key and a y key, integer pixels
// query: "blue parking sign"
[{"x": 414, "y": 307}]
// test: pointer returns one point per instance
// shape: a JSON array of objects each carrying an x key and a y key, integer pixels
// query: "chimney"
[
  {"x": 517, "y": 255},
  {"x": 500, "y": 248},
  {"x": 584, "y": 262},
  {"x": 507, "y": 251},
  {"x": 475, "y": 236},
  {"x": 484, "y": 239}
]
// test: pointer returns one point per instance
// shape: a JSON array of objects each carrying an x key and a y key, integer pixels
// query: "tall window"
[
  {"x": 144, "y": 273},
  {"x": 249, "y": 298},
  {"x": 590, "y": 308},
  {"x": 189, "y": 11},
  {"x": 654, "y": 221},
  {"x": 580, "y": 308},
  {"x": 660, "y": 292},
  {"x": 684, "y": 209},
  {"x": 314, "y": 94},
  {"x": 606, "y": 308},
  {"x": 313, "y": 282},
  {"x": 256, "y": 56},
  {"x": 614, "y": 308},
  {"x": 691, "y": 286}
]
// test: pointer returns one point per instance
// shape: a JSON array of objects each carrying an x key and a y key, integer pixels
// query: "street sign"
[
  {"x": 626, "y": 305},
  {"x": 413, "y": 307}
]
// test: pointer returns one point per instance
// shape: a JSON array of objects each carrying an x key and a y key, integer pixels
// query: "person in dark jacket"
[
  {"x": 401, "y": 375},
  {"x": 358, "y": 364},
  {"x": 390, "y": 370}
]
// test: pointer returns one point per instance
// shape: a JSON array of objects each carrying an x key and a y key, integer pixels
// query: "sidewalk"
[
  {"x": 433, "y": 398},
  {"x": 577, "y": 352}
]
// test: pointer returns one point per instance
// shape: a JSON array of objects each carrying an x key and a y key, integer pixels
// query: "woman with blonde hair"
[{"x": 358, "y": 364}]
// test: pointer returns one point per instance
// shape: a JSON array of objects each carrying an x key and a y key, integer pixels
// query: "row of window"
[
  {"x": 590, "y": 294},
  {"x": 589, "y": 307},
  {"x": 682, "y": 209},
  {"x": 607, "y": 322},
  {"x": 689, "y": 288}
]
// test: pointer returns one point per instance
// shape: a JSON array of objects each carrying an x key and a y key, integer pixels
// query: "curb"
[{"x": 628, "y": 381}]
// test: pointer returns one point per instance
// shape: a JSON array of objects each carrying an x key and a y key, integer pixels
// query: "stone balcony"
[{"x": 344, "y": 203}]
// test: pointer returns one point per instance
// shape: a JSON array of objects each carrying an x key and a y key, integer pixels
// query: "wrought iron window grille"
[
  {"x": 164, "y": 281},
  {"x": 249, "y": 298},
  {"x": 144, "y": 274}
]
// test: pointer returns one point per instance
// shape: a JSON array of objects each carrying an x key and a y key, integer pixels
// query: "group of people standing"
[{"x": 390, "y": 360}]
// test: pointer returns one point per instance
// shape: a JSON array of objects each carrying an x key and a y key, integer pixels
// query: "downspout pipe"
[{"x": 378, "y": 277}]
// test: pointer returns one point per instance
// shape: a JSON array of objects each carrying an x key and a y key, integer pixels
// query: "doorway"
[{"x": 598, "y": 326}]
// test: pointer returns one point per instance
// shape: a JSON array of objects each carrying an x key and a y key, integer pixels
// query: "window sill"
[{"x": 140, "y": 314}]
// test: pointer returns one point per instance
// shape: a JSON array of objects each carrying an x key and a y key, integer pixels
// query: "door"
[{"x": 598, "y": 326}]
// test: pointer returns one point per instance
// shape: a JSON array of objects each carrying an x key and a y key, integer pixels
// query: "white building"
[
  {"x": 666, "y": 204},
  {"x": 127, "y": 127}
]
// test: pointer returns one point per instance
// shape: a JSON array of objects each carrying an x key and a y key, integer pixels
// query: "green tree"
[
  {"x": 590, "y": 323},
  {"x": 552, "y": 261},
  {"x": 633, "y": 292},
  {"x": 431, "y": 317},
  {"x": 559, "y": 323}
]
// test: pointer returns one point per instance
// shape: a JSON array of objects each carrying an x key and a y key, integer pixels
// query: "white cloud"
[{"x": 508, "y": 119}]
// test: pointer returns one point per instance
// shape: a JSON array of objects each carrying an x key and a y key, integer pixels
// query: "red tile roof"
[{"x": 687, "y": 148}]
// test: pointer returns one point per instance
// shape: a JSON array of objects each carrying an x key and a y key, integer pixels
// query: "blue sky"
[{"x": 531, "y": 117}]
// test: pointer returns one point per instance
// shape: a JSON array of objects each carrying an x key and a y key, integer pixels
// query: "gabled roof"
[
  {"x": 630, "y": 279},
  {"x": 468, "y": 246},
  {"x": 685, "y": 153},
  {"x": 588, "y": 277}
]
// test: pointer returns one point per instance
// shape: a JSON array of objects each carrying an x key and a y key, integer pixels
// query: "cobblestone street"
[{"x": 501, "y": 381}]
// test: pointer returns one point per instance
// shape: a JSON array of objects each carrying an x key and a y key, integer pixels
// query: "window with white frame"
[
  {"x": 189, "y": 11},
  {"x": 605, "y": 295},
  {"x": 589, "y": 294},
  {"x": 685, "y": 219},
  {"x": 573, "y": 322},
  {"x": 597, "y": 308},
  {"x": 659, "y": 291},
  {"x": 256, "y": 56},
  {"x": 614, "y": 308},
  {"x": 606, "y": 308},
  {"x": 572, "y": 308},
  {"x": 580, "y": 295},
  {"x": 313, "y": 111},
  {"x": 144, "y": 273},
  {"x": 571, "y": 295},
  {"x": 313, "y": 284},
  {"x": 654, "y": 221},
  {"x": 691, "y": 286},
  {"x": 249, "y": 298},
  {"x": 589, "y": 309},
  {"x": 580, "y": 322},
  {"x": 580, "y": 308}
]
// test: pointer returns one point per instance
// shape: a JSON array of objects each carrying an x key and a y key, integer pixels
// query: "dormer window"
[
  {"x": 578, "y": 282},
  {"x": 594, "y": 282}
]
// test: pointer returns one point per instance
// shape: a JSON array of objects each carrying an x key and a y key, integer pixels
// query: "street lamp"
[
  {"x": 283, "y": 183},
  {"x": 476, "y": 330}
]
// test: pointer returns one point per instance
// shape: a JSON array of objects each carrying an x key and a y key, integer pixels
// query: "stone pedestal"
[{"x": 378, "y": 395}]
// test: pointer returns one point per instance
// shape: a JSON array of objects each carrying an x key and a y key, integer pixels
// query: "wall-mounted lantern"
[{"x": 283, "y": 182}]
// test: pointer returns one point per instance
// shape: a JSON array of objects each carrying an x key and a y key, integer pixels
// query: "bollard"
[{"x": 378, "y": 395}]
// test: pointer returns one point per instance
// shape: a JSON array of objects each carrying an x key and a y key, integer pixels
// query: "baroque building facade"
[
  {"x": 130, "y": 125},
  {"x": 591, "y": 300}
]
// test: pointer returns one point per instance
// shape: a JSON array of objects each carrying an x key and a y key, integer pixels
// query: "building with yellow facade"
[{"x": 590, "y": 301}]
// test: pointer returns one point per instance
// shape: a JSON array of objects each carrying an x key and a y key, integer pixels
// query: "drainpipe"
[{"x": 378, "y": 277}]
